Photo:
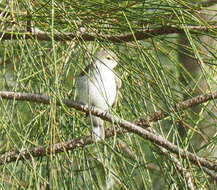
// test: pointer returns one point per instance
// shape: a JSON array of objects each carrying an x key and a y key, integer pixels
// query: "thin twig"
[
  {"x": 131, "y": 127},
  {"x": 7, "y": 6},
  {"x": 139, "y": 35},
  {"x": 29, "y": 22}
]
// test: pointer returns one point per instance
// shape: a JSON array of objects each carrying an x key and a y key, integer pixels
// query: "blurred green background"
[{"x": 156, "y": 73}]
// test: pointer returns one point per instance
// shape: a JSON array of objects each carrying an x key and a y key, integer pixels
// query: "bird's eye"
[{"x": 109, "y": 58}]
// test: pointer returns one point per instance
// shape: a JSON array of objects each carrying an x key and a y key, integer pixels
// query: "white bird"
[{"x": 98, "y": 86}]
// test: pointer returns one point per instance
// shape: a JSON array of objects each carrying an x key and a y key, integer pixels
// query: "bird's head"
[{"x": 107, "y": 58}]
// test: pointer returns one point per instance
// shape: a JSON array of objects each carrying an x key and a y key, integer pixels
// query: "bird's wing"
[
  {"x": 118, "y": 82},
  {"x": 85, "y": 71},
  {"x": 80, "y": 79},
  {"x": 118, "y": 86}
]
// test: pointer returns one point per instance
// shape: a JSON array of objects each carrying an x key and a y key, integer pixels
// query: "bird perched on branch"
[{"x": 98, "y": 86}]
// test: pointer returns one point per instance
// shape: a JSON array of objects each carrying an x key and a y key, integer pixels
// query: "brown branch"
[
  {"x": 184, "y": 172},
  {"x": 128, "y": 126},
  {"x": 210, "y": 173},
  {"x": 40, "y": 151},
  {"x": 139, "y": 35},
  {"x": 159, "y": 115},
  {"x": 208, "y": 3}
]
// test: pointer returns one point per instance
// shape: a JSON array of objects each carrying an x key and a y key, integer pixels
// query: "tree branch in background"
[
  {"x": 210, "y": 173},
  {"x": 128, "y": 126},
  {"x": 139, "y": 35},
  {"x": 208, "y": 3},
  {"x": 184, "y": 172},
  {"x": 40, "y": 151},
  {"x": 159, "y": 115}
]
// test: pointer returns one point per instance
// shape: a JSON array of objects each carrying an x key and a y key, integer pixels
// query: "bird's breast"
[
  {"x": 98, "y": 88},
  {"x": 103, "y": 88}
]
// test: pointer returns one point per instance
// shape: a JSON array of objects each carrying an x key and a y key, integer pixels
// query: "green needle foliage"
[{"x": 156, "y": 72}]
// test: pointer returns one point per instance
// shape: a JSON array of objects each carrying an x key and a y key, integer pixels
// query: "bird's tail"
[{"x": 98, "y": 128}]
